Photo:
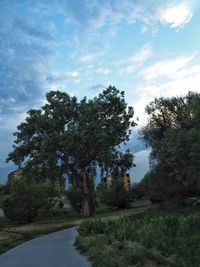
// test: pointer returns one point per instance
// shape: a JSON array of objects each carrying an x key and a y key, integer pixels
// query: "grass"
[
  {"x": 12, "y": 235},
  {"x": 152, "y": 238}
]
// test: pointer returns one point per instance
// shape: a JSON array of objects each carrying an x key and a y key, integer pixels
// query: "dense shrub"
[
  {"x": 28, "y": 197},
  {"x": 115, "y": 195},
  {"x": 162, "y": 188},
  {"x": 2, "y": 189}
]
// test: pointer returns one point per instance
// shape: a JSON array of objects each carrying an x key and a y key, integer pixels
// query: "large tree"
[
  {"x": 71, "y": 137},
  {"x": 173, "y": 132}
]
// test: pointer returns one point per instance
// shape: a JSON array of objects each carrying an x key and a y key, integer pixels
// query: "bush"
[
  {"x": 2, "y": 189},
  {"x": 165, "y": 189},
  {"x": 116, "y": 195},
  {"x": 27, "y": 198}
]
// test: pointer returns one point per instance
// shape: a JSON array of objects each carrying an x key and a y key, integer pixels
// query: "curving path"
[{"x": 53, "y": 250}]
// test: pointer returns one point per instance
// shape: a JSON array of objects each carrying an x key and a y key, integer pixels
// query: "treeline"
[
  {"x": 173, "y": 133},
  {"x": 69, "y": 139}
]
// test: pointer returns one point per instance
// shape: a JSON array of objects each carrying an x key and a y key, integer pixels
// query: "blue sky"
[{"x": 147, "y": 48}]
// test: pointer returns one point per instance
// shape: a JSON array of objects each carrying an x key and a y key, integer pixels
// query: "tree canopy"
[
  {"x": 70, "y": 137},
  {"x": 173, "y": 132}
]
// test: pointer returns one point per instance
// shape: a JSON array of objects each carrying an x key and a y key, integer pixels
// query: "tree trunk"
[{"x": 86, "y": 201}]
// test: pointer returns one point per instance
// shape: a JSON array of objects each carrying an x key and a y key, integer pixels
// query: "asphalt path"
[{"x": 53, "y": 250}]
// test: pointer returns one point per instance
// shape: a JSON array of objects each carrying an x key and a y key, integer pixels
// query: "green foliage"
[
  {"x": 157, "y": 237},
  {"x": 173, "y": 132},
  {"x": 28, "y": 197},
  {"x": 115, "y": 195},
  {"x": 70, "y": 137},
  {"x": 139, "y": 191},
  {"x": 12, "y": 235},
  {"x": 75, "y": 196},
  {"x": 165, "y": 189},
  {"x": 2, "y": 189}
]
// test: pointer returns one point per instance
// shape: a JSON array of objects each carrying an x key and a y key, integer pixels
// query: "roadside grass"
[
  {"x": 12, "y": 235},
  {"x": 154, "y": 238},
  {"x": 9, "y": 240}
]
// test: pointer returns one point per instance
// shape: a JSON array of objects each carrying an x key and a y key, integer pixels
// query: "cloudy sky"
[{"x": 147, "y": 48}]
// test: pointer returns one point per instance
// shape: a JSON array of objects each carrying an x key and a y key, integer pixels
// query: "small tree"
[
  {"x": 115, "y": 195},
  {"x": 27, "y": 198}
]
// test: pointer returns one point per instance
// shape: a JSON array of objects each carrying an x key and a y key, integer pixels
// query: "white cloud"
[
  {"x": 135, "y": 61},
  {"x": 165, "y": 67},
  {"x": 142, "y": 55},
  {"x": 177, "y": 87},
  {"x": 183, "y": 78},
  {"x": 144, "y": 28},
  {"x": 176, "y": 16},
  {"x": 72, "y": 73},
  {"x": 77, "y": 81},
  {"x": 149, "y": 12},
  {"x": 90, "y": 57},
  {"x": 103, "y": 71},
  {"x": 90, "y": 66}
]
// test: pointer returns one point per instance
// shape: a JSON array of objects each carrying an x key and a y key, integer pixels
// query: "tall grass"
[{"x": 172, "y": 238}]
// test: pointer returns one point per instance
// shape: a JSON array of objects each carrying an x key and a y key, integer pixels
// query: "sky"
[{"x": 147, "y": 48}]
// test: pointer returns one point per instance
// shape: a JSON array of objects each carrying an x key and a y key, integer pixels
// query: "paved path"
[{"x": 53, "y": 250}]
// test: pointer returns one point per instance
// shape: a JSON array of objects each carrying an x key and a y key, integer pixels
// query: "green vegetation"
[
  {"x": 12, "y": 235},
  {"x": 67, "y": 137},
  {"x": 115, "y": 195},
  {"x": 154, "y": 238},
  {"x": 71, "y": 137},
  {"x": 27, "y": 198},
  {"x": 173, "y": 132}
]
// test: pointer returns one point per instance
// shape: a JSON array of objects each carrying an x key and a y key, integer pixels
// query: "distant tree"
[
  {"x": 67, "y": 137},
  {"x": 115, "y": 195},
  {"x": 173, "y": 132}
]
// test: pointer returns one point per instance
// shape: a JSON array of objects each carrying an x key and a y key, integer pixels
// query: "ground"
[
  {"x": 13, "y": 235},
  {"x": 56, "y": 249},
  {"x": 155, "y": 237}
]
